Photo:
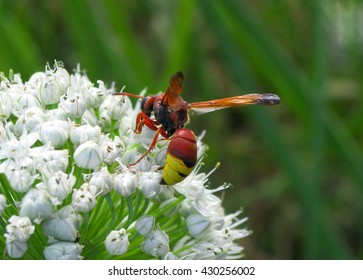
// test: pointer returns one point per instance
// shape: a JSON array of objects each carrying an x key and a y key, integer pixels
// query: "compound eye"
[{"x": 147, "y": 105}]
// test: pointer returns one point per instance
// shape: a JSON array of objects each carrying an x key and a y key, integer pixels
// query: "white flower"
[
  {"x": 24, "y": 102},
  {"x": 51, "y": 161},
  {"x": 73, "y": 103},
  {"x": 102, "y": 180},
  {"x": 95, "y": 96},
  {"x": 115, "y": 106},
  {"x": 56, "y": 114},
  {"x": 104, "y": 121},
  {"x": 61, "y": 75},
  {"x": 34, "y": 82},
  {"x": 149, "y": 184},
  {"x": 31, "y": 120},
  {"x": 59, "y": 186},
  {"x": 15, "y": 248},
  {"x": 83, "y": 199},
  {"x": 84, "y": 133},
  {"x": 156, "y": 244},
  {"x": 197, "y": 224},
  {"x": 111, "y": 149},
  {"x": 19, "y": 228},
  {"x": 145, "y": 224},
  {"x": 88, "y": 155},
  {"x": 125, "y": 183},
  {"x": 20, "y": 179},
  {"x": 49, "y": 91},
  {"x": 117, "y": 242},
  {"x": 63, "y": 225},
  {"x": 36, "y": 205},
  {"x": 170, "y": 257},
  {"x": 2, "y": 203},
  {"x": 54, "y": 132},
  {"x": 131, "y": 155},
  {"x": 63, "y": 251},
  {"x": 49, "y": 86},
  {"x": 89, "y": 117},
  {"x": 6, "y": 105},
  {"x": 17, "y": 149},
  {"x": 198, "y": 198}
]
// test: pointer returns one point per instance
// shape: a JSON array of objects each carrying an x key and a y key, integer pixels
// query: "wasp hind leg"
[{"x": 159, "y": 131}]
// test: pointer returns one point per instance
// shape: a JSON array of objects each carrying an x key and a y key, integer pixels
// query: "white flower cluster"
[{"x": 64, "y": 149}]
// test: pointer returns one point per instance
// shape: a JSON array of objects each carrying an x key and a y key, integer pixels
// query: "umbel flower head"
[{"x": 68, "y": 189}]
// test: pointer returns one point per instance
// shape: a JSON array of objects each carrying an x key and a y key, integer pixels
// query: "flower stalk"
[{"x": 67, "y": 192}]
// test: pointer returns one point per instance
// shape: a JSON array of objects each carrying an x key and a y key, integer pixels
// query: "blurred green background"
[{"x": 296, "y": 168}]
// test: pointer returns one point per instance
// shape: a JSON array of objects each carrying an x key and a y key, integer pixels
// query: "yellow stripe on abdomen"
[{"x": 175, "y": 170}]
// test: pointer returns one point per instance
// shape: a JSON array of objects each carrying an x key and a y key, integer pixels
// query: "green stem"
[
  {"x": 171, "y": 205},
  {"x": 130, "y": 207},
  {"x": 106, "y": 230},
  {"x": 85, "y": 227}
]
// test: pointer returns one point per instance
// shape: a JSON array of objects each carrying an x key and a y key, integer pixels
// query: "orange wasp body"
[{"x": 171, "y": 114}]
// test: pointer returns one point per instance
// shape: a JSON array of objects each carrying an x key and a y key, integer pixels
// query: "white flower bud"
[
  {"x": 60, "y": 186},
  {"x": 156, "y": 244},
  {"x": 149, "y": 183},
  {"x": 56, "y": 114},
  {"x": 62, "y": 76},
  {"x": 16, "y": 149},
  {"x": 166, "y": 194},
  {"x": 54, "y": 132},
  {"x": 63, "y": 251},
  {"x": 15, "y": 248},
  {"x": 102, "y": 180},
  {"x": 118, "y": 107},
  {"x": 49, "y": 162},
  {"x": 31, "y": 120},
  {"x": 115, "y": 106},
  {"x": 35, "y": 81},
  {"x": 170, "y": 257},
  {"x": 197, "y": 225},
  {"x": 131, "y": 155},
  {"x": 88, "y": 155},
  {"x": 20, "y": 179},
  {"x": 83, "y": 199},
  {"x": 25, "y": 102},
  {"x": 126, "y": 124},
  {"x": 63, "y": 225},
  {"x": 80, "y": 82},
  {"x": 117, "y": 242},
  {"x": 94, "y": 96},
  {"x": 36, "y": 205},
  {"x": 50, "y": 91},
  {"x": 84, "y": 133},
  {"x": 125, "y": 183},
  {"x": 145, "y": 225},
  {"x": 6, "y": 104},
  {"x": 73, "y": 103},
  {"x": 111, "y": 150},
  {"x": 89, "y": 117},
  {"x": 104, "y": 121},
  {"x": 2, "y": 203},
  {"x": 19, "y": 228}
]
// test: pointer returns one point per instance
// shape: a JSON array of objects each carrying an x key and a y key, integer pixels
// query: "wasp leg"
[
  {"x": 143, "y": 119},
  {"x": 152, "y": 146}
]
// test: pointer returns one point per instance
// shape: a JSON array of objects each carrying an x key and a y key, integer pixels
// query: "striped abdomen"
[{"x": 181, "y": 156}]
